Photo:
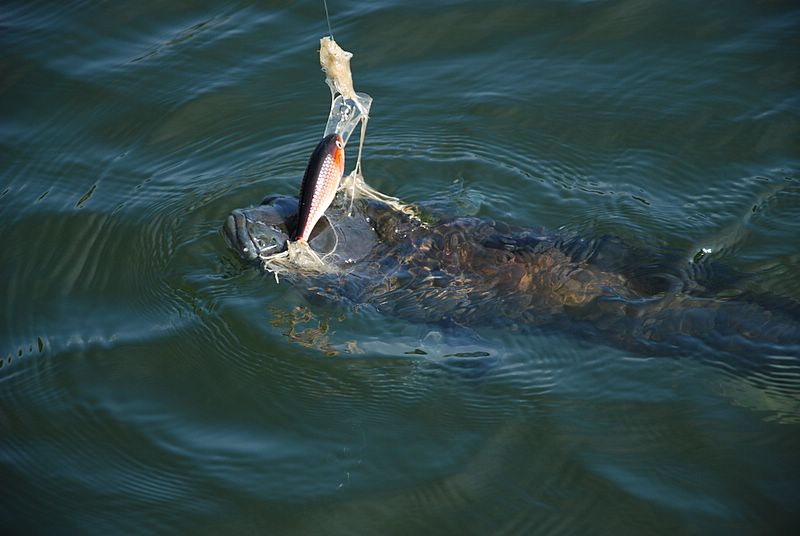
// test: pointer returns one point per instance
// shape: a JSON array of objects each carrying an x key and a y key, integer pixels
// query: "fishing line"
[
  {"x": 328, "y": 18},
  {"x": 335, "y": 241}
]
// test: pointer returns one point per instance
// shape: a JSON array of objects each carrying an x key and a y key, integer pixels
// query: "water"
[{"x": 152, "y": 383}]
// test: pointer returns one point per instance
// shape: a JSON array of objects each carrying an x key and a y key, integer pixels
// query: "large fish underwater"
[{"x": 479, "y": 272}]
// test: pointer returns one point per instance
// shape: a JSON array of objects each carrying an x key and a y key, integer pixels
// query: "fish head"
[
  {"x": 337, "y": 152},
  {"x": 345, "y": 235},
  {"x": 328, "y": 157}
]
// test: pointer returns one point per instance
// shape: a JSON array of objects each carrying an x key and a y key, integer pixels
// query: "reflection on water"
[{"x": 146, "y": 370}]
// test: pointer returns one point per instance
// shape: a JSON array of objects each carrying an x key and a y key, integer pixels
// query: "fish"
[
  {"x": 482, "y": 273},
  {"x": 320, "y": 183}
]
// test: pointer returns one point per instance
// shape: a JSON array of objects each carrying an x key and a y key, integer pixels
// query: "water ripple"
[{"x": 144, "y": 369}]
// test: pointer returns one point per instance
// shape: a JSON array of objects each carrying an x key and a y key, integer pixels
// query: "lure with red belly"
[{"x": 323, "y": 174}]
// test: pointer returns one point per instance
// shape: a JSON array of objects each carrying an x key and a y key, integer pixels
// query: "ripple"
[{"x": 145, "y": 369}]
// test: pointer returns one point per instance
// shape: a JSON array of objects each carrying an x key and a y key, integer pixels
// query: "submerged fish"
[
  {"x": 485, "y": 273},
  {"x": 320, "y": 182}
]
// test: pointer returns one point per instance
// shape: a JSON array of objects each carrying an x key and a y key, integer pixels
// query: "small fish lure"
[{"x": 323, "y": 174}]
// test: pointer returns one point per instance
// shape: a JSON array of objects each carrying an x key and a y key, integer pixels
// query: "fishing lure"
[{"x": 320, "y": 182}]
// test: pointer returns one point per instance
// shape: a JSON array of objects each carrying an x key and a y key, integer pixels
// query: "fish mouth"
[
  {"x": 238, "y": 237},
  {"x": 252, "y": 235}
]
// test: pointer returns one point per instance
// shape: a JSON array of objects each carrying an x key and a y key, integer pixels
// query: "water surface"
[{"x": 152, "y": 383}]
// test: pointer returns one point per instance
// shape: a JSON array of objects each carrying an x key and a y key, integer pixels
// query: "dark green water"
[{"x": 152, "y": 383}]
